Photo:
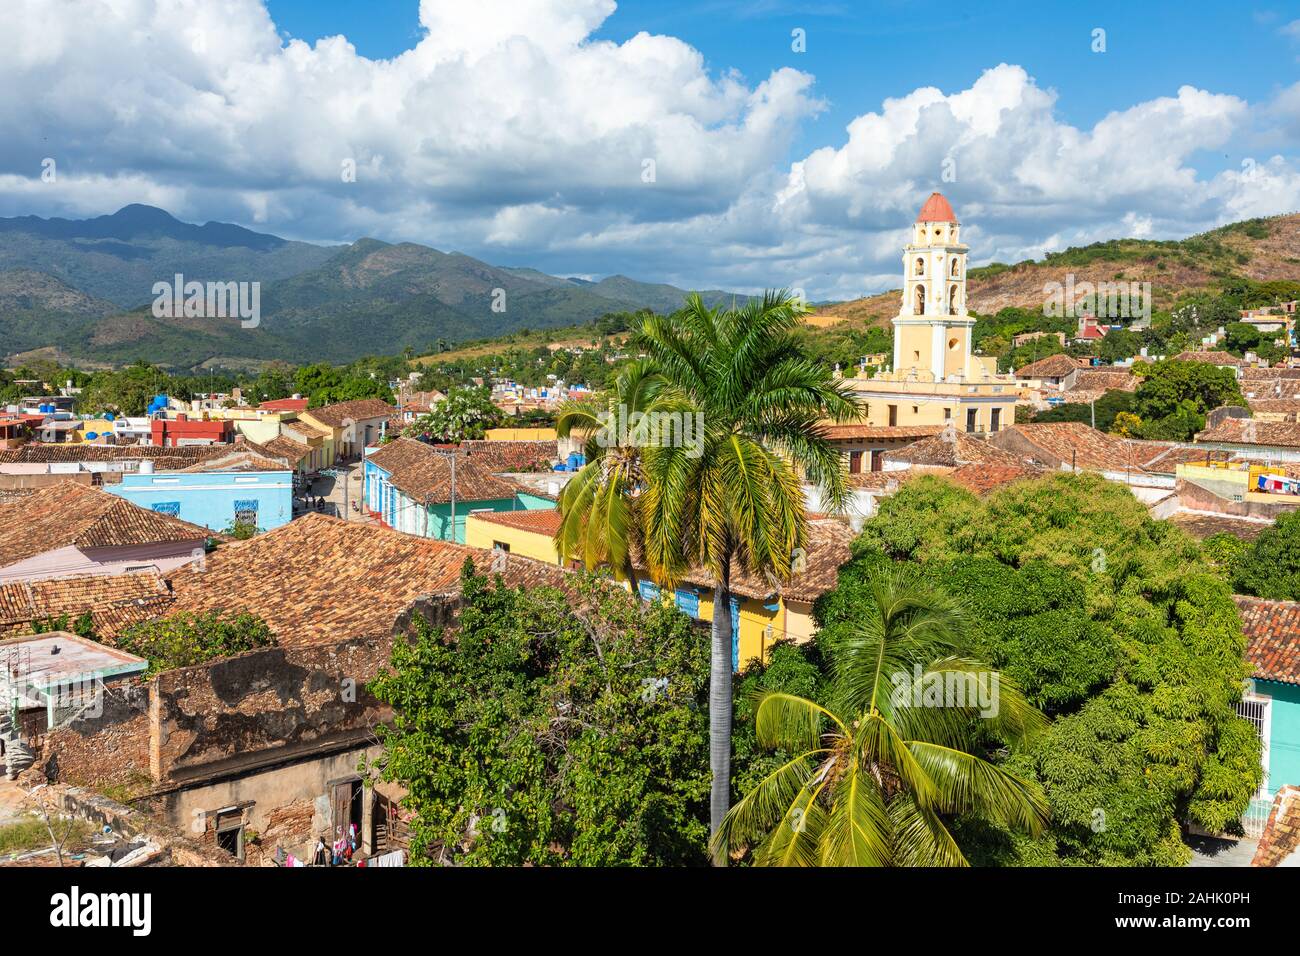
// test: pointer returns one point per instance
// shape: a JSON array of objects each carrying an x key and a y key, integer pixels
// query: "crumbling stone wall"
[
  {"x": 253, "y": 709},
  {"x": 108, "y": 751}
]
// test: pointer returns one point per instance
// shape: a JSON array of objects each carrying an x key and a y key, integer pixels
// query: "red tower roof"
[{"x": 936, "y": 209}]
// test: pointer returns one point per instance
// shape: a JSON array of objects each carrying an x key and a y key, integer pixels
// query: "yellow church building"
[{"x": 934, "y": 377}]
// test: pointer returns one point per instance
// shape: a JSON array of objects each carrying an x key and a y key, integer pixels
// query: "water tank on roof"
[{"x": 91, "y": 436}]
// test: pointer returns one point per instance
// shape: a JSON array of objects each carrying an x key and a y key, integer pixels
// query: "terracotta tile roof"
[
  {"x": 1101, "y": 380},
  {"x": 320, "y": 579},
  {"x": 243, "y": 460},
  {"x": 1214, "y": 358},
  {"x": 115, "y": 601},
  {"x": 951, "y": 448},
  {"x": 936, "y": 209},
  {"x": 1054, "y": 366},
  {"x": 983, "y": 478},
  {"x": 1249, "y": 431},
  {"x": 1067, "y": 442},
  {"x": 71, "y": 514},
  {"x": 358, "y": 410},
  {"x": 1272, "y": 630},
  {"x": 539, "y": 521},
  {"x": 285, "y": 405},
  {"x": 878, "y": 480},
  {"x": 1279, "y": 844},
  {"x": 1277, "y": 406},
  {"x": 425, "y": 474},
  {"x": 867, "y": 432},
  {"x": 1201, "y": 524},
  {"x": 1164, "y": 457},
  {"x": 284, "y": 448},
  {"x": 1269, "y": 374},
  {"x": 164, "y": 457},
  {"x": 303, "y": 429},
  {"x": 517, "y": 456}
]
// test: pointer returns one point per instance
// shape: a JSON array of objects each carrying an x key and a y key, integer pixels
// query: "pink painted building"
[{"x": 70, "y": 528}]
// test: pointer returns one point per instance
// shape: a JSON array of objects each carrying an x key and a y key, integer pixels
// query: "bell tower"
[{"x": 932, "y": 333}]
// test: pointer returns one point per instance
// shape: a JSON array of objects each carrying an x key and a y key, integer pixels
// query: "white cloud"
[{"x": 510, "y": 133}]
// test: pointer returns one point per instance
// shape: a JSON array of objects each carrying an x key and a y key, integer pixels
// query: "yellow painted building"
[
  {"x": 520, "y": 434},
  {"x": 935, "y": 378},
  {"x": 762, "y": 613}
]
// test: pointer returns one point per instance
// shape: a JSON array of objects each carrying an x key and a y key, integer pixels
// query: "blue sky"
[
  {"x": 861, "y": 53},
  {"x": 670, "y": 141}
]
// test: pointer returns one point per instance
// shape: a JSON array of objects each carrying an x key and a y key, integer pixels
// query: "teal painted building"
[{"x": 409, "y": 487}]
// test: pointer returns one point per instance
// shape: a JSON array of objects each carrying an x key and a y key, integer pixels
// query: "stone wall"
[{"x": 263, "y": 707}]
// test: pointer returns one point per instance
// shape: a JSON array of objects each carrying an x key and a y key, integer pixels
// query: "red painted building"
[{"x": 182, "y": 430}]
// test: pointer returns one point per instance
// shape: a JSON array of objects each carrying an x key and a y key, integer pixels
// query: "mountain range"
[{"x": 82, "y": 290}]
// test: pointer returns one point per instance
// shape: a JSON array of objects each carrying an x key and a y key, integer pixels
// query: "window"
[
  {"x": 947, "y": 414},
  {"x": 172, "y": 508},
  {"x": 952, "y": 302},
  {"x": 877, "y": 459},
  {"x": 855, "y": 462},
  {"x": 919, "y": 308},
  {"x": 500, "y": 546},
  {"x": 970, "y": 419},
  {"x": 893, "y": 415},
  {"x": 920, "y": 266},
  {"x": 232, "y": 841},
  {"x": 955, "y": 268},
  {"x": 246, "y": 511},
  {"x": 995, "y": 419}
]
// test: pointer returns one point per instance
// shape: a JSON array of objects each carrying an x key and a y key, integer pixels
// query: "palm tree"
[
  {"x": 733, "y": 501},
  {"x": 599, "y": 519},
  {"x": 875, "y": 772}
]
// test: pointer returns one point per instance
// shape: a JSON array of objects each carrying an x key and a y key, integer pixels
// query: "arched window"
[
  {"x": 919, "y": 308},
  {"x": 920, "y": 266},
  {"x": 952, "y": 301},
  {"x": 955, "y": 268}
]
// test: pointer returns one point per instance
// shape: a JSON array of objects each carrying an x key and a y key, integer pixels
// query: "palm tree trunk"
[{"x": 720, "y": 706}]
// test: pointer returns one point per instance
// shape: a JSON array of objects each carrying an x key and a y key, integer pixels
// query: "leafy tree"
[
  {"x": 1111, "y": 624},
  {"x": 599, "y": 520},
  {"x": 83, "y": 626},
  {"x": 895, "y": 750},
  {"x": 550, "y": 729},
  {"x": 185, "y": 639},
  {"x": 1173, "y": 397},
  {"x": 1114, "y": 403},
  {"x": 733, "y": 500},
  {"x": 1270, "y": 567},
  {"x": 465, "y": 414}
]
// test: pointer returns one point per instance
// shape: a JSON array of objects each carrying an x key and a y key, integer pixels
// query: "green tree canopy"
[
  {"x": 551, "y": 729},
  {"x": 1099, "y": 613}
]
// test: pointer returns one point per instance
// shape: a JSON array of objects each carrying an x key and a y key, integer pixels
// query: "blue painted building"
[{"x": 214, "y": 499}]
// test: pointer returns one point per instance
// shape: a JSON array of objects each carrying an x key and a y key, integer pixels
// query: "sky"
[{"x": 713, "y": 144}]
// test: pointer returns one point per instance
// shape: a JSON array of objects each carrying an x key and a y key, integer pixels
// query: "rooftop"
[
  {"x": 1201, "y": 524},
  {"x": 1072, "y": 443},
  {"x": 338, "y": 415},
  {"x": 70, "y": 514},
  {"x": 1054, "y": 366},
  {"x": 1272, "y": 630},
  {"x": 951, "y": 448},
  {"x": 986, "y": 477},
  {"x": 424, "y": 473},
  {"x": 1250, "y": 431},
  {"x": 936, "y": 209},
  {"x": 539, "y": 520},
  {"x": 855, "y": 431},
  {"x": 58, "y": 656},
  {"x": 115, "y": 601},
  {"x": 320, "y": 579}
]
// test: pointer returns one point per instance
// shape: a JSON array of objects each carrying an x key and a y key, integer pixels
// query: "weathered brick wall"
[
  {"x": 110, "y": 750},
  {"x": 229, "y": 715}
]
